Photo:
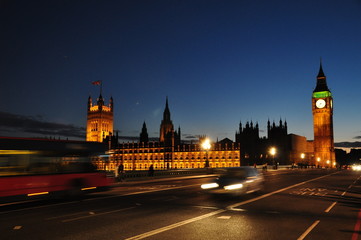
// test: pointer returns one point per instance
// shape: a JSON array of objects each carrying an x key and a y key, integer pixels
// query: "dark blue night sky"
[{"x": 219, "y": 63}]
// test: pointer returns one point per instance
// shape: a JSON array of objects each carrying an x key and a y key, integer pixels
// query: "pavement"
[{"x": 131, "y": 181}]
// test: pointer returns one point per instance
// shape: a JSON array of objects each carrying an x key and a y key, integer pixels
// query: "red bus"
[{"x": 30, "y": 173}]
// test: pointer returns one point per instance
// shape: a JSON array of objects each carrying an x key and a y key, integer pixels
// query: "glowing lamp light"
[
  {"x": 206, "y": 145},
  {"x": 272, "y": 151}
]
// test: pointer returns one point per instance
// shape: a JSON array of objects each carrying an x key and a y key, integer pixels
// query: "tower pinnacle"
[
  {"x": 166, "y": 126},
  {"x": 321, "y": 81}
]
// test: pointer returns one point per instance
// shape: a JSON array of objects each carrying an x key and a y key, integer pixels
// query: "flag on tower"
[{"x": 97, "y": 82}]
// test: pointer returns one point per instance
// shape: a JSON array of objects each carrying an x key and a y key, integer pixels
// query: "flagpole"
[
  {"x": 101, "y": 114},
  {"x": 101, "y": 87},
  {"x": 100, "y": 126}
]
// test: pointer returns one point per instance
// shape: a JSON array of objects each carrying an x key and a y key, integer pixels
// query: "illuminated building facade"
[
  {"x": 322, "y": 109},
  {"x": 140, "y": 156},
  {"x": 301, "y": 150},
  {"x": 169, "y": 152},
  {"x": 99, "y": 120}
]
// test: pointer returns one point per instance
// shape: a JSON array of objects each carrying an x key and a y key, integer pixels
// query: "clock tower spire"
[
  {"x": 322, "y": 110},
  {"x": 321, "y": 81}
]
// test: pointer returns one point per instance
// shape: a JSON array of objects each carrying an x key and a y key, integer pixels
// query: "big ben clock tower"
[{"x": 322, "y": 109}]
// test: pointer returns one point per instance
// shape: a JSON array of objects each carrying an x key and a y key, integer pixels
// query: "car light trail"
[
  {"x": 39, "y": 193},
  {"x": 88, "y": 188}
]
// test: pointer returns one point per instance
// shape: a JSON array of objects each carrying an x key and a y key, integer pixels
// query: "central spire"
[
  {"x": 166, "y": 113},
  {"x": 166, "y": 127}
]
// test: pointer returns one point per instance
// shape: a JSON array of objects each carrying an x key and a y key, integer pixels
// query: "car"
[{"x": 236, "y": 181}]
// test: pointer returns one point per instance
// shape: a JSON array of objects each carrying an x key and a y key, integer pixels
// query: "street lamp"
[
  {"x": 206, "y": 145},
  {"x": 302, "y": 157},
  {"x": 318, "y": 162},
  {"x": 273, "y": 151}
]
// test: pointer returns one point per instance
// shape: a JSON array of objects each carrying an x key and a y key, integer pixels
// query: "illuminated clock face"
[{"x": 320, "y": 103}]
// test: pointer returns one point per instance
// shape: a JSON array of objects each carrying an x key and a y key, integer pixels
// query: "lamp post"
[
  {"x": 318, "y": 162},
  {"x": 302, "y": 157},
  {"x": 206, "y": 145},
  {"x": 273, "y": 151}
]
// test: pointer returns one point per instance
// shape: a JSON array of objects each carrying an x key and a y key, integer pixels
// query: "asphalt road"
[{"x": 296, "y": 204}]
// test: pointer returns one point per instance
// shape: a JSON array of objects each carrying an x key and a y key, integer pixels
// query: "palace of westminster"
[{"x": 170, "y": 152}]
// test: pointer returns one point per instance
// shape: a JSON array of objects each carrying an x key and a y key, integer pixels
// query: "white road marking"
[
  {"x": 239, "y": 209},
  {"x": 17, "y": 227},
  {"x": 95, "y": 215},
  {"x": 207, "y": 207},
  {"x": 37, "y": 207},
  {"x": 66, "y": 215},
  {"x": 308, "y": 230},
  {"x": 90, "y": 199},
  {"x": 330, "y": 207},
  {"x": 311, "y": 191},
  {"x": 224, "y": 217},
  {"x": 13, "y": 203},
  {"x": 231, "y": 207},
  {"x": 175, "y": 225},
  {"x": 142, "y": 192}
]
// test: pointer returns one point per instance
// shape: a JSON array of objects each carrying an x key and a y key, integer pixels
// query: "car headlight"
[
  {"x": 356, "y": 167},
  {"x": 233, "y": 186},
  {"x": 209, "y": 185}
]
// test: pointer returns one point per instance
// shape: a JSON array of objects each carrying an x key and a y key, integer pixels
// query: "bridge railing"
[{"x": 183, "y": 172}]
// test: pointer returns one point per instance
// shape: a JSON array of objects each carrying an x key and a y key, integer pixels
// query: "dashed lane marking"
[
  {"x": 308, "y": 230},
  {"x": 92, "y": 214},
  {"x": 330, "y": 207}
]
